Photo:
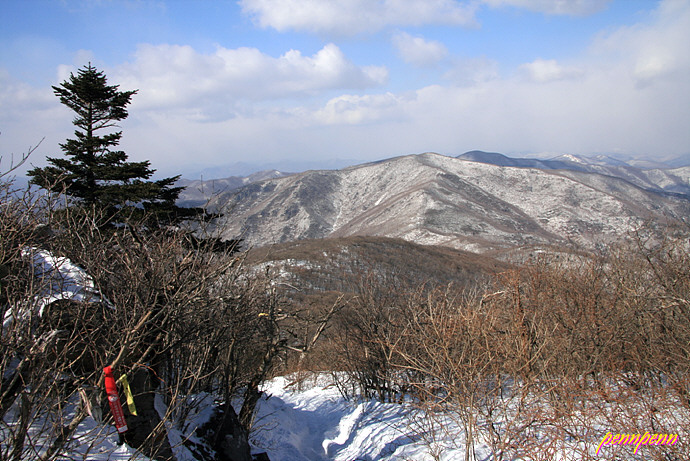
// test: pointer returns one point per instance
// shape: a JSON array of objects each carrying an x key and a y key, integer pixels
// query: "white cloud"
[
  {"x": 472, "y": 71},
  {"x": 417, "y": 50},
  {"x": 628, "y": 92},
  {"x": 356, "y": 109},
  {"x": 171, "y": 76},
  {"x": 651, "y": 52},
  {"x": 548, "y": 70},
  {"x": 347, "y": 17},
  {"x": 592, "y": 103},
  {"x": 27, "y": 115},
  {"x": 555, "y": 7},
  {"x": 18, "y": 95}
]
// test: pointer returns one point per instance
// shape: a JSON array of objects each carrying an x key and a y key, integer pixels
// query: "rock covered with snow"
[{"x": 59, "y": 279}]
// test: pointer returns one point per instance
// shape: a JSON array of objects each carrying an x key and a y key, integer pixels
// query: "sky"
[{"x": 225, "y": 87}]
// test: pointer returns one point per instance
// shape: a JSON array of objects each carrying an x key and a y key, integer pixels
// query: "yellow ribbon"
[{"x": 128, "y": 395}]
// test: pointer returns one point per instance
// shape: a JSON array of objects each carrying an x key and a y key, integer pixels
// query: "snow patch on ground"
[
  {"x": 315, "y": 422},
  {"x": 59, "y": 278},
  {"x": 318, "y": 423}
]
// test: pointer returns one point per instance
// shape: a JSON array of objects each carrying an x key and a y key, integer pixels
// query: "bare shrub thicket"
[
  {"x": 544, "y": 360},
  {"x": 180, "y": 320},
  {"x": 365, "y": 335}
]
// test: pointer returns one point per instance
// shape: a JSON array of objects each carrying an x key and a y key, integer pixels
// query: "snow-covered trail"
[{"x": 318, "y": 424}]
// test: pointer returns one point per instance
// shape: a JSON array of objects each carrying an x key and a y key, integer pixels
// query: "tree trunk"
[
  {"x": 231, "y": 441},
  {"x": 145, "y": 431}
]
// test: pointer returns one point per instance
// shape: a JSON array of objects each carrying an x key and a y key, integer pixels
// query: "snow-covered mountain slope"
[
  {"x": 434, "y": 199},
  {"x": 671, "y": 180}
]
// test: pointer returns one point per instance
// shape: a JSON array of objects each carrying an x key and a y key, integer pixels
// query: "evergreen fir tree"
[{"x": 94, "y": 172}]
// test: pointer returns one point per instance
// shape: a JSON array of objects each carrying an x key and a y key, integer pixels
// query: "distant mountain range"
[
  {"x": 199, "y": 192},
  {"x": 480, "y": 202},
  {"x": 562, "y": 162},
  {"x": 673, "y": 180}
]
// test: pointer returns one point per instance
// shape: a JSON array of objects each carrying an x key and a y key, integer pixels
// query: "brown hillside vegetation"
[
  {"x": 540, "y": 357},
  {"x": 338, "y": 264}
]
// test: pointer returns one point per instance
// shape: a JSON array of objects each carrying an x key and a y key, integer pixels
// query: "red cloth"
[{"x": 114, "y": 400}]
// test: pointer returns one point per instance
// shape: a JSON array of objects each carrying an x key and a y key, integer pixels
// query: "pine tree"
[{"x": 94, "y": 172}]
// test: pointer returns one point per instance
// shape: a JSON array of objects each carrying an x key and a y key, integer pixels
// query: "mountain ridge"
[
  {"x": 666, "y": 180},
  {"x": 434, "y": 199}
]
